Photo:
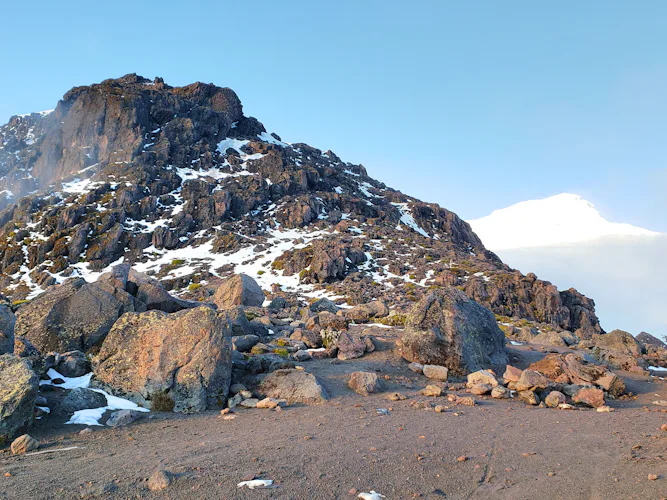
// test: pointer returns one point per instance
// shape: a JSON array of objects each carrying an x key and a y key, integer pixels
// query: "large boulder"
[
  {"x": 620, "y": 341},
  {"x": 7, "y": 321},
  {"x": 18, "y": 389},
  {"x": 70, "y": 316},
  {"x": 549, "y": 338},
  {"x": 296, "y": 386},
  {"x": 365, "y": 312},
  {"x": 185, "y": 355},
  {"x": 449, "y": 329},
  {"x": 239, "y": 290}
]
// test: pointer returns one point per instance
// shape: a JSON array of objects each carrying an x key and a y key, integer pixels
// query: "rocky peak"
[{"x": 179, "y": 183}]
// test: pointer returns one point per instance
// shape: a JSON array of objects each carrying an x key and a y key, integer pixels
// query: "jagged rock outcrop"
[
  {"x": 449, "y": 329},
  {"x": 174, "y": 178}
]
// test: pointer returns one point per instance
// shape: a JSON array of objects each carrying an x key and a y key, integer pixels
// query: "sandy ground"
[{"x": 512, "y": 450}]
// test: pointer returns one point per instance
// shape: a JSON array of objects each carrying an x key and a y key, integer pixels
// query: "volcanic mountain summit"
[{"x": 180, "y": 183}]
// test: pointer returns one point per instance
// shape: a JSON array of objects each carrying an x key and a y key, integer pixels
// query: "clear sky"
[{"x": 473, "y": 105}]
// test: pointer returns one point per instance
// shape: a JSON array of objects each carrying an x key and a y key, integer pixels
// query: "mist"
[{"x": 626, "y": 276}]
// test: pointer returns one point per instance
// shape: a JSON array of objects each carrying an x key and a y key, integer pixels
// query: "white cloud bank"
[{"x": 563, "y": 239}]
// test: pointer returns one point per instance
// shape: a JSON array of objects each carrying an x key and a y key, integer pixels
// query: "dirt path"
[{"x": 511, "y": 450}]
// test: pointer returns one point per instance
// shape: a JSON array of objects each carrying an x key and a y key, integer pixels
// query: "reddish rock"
[
  {"x": 589, "y": 396},
  {"x": 512, "y": 374}
]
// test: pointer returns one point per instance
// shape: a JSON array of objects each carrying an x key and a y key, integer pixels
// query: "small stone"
[
  {"x": 159, "y": 480},
  {"x": 86, "y": 432},
  {"x": 416, "y": 367},
  {"x": 531, "y": 380},
  {"x": 302, "y": 356},
  {"x": 236, "y": 388},
  {"x": 24, "y": 444},
  {"x": 440, "y": 409},
  {"x": 432, "y": 391},
  {"x": 529, "y": 397},
  {"x": 436, "y": 372},
  {"x": 664, "y": 427},
  {"x": 603, "y": 409},
  {"x": 480, "y": 389},
  {"x": 123, "y": 417},
  {"x": 245, "y": 394},
  {"x": 249, "y": 403},
  {"x": 482, "y": 377},
  {"x": 652, "y": 477},
  {"x": 269, "y": 403},
  {"x": 512, "y": 374},
  {"x": 462, "y": 458},
  {"x": 364, "y": 383},
  {"x": 500, "y": 392},
  {"x": 396, "y": 396},
  {"x": 465, "y": 401},
  {"x": 234, "y": 401},
  {"x": 554, "y": 398}
]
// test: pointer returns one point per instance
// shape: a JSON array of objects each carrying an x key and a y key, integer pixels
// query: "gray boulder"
[
  {"x": 185, "y": 355},
  {"x": 7, "y": 321},
  {"x": 619, "y": 341},
  {"x": 73, "y": 315},
  {"x": 243, "y": 343},
  {"x": 324, "y": 304},
  {"x": 81, "y": 399},
  {"x": 18, "y": 389},
  {"x": 239, "y": 290},
  {"x": 296, "y": 386},
  {"x": 123, "y": 417},
  {"x": 449, "y": 329},
  {"x": 73, "y": 364}
]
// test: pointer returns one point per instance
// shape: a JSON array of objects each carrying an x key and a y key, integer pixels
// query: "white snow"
[
  {"x": 266, "y": 137},
  {"x": 657, "y": 368},
  {"x": 561, "y": 219},
  {"x": 256, "y": 483},
  {"x": 70, "y": 382},
  {"x": 373, "y": 495},
  {"x": 408, "y": 220}
]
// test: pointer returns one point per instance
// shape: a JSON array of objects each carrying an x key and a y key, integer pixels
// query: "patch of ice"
[
  {"x": 514, "y": 342},
  {"x": 657, "y": 368}
]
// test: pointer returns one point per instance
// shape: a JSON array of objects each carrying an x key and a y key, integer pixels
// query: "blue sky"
[{"x": 474, "y": 107}]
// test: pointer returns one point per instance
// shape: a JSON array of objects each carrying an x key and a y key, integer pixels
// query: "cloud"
[{"x": 626, "y": 276}]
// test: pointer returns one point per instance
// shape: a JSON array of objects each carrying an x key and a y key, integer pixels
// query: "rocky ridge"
[{"x": 180, "y": 183}]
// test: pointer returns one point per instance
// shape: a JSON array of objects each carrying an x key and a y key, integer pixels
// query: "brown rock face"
[
  {"x": 447, "y": 328},
  {"x": 186, "y": 355}
]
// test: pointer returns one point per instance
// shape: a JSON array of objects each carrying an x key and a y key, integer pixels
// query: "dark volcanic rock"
[
  {"x": 447, "y": 328},
  {"x": 81, "y": 399}
]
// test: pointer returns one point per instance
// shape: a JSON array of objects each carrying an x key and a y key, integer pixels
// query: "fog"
[{"x": 627, "y": 277}]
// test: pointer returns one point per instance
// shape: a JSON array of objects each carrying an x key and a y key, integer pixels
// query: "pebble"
[
  {"x": 24, "y": 444},
  {"x": 652, "y": 477}
]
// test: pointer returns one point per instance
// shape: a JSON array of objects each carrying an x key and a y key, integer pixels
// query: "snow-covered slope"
[{"x": 561, "y": 219}]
